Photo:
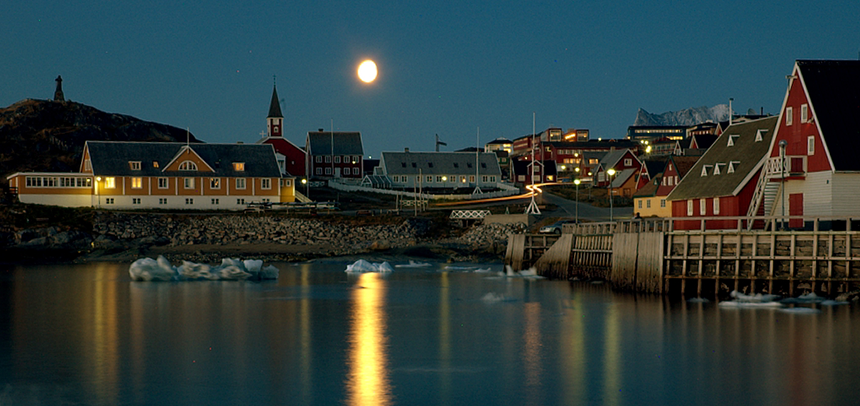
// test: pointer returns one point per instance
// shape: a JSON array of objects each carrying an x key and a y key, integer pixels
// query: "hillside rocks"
[{"x": 135, "y": 234}]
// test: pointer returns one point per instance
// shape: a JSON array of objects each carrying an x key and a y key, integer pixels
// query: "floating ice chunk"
[
  {"x": 834, "y": 303},
  {"x": 810, "y": 297},
  {"x": 756, "y": 298},
  {"x": 459, "y": 268},
  {"x": 483, "y": 270},
  {"x": 698, "y": 300},
  {"x": 362, "y": 266},
  {"x": 148, "y": 269},
  {"x": 493, "y": 297},
  {"x": 413, "y": 264}
]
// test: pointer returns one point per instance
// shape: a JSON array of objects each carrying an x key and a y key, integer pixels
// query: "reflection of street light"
[
  {"x": 782, "y": 145},
  {"x": 577, "y": 182},
  {"x": 611, "y": 173}
]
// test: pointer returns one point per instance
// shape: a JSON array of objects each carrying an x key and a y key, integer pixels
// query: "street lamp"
[
  {"x": 782, "y": 145},
  {"x": 98, "y": 193},
  {"x": 611, "y": 173},
  {"x": 577, "y": 182},
  {"x": 307, "y": 188}
]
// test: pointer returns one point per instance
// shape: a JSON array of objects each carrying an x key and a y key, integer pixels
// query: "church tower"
[
  {"x": 275, "y": 120},
  {"x": 58, "y": 94}
]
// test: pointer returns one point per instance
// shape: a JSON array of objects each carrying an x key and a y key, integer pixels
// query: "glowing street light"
[{"x": 611, "y": 173}]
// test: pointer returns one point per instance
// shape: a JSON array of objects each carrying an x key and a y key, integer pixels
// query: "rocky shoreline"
[{"x": 124, "y": 237}]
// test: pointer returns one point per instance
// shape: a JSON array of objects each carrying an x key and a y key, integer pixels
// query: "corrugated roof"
[
  {"x": 439, "y": 163},
  {"x": 111, "y": 158},
  {"x": 744, "y": 157},
  {"x": 345, "y": 143},
  {"x": 834, "y": 91}
]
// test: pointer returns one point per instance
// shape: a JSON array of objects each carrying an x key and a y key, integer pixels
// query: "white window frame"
[
  {"x": 804, "y": 113},
  {"x": 188, "y": 183},
  {"x": 241, "y": 184},
  {"x": 134, "y": 165},
  {"x": 188, "y": 166},
  {"x": 137, "y": 182},
  {"x": 689, "y": 207},
  {"x": 337, "y": 159},
  {"x": 110, "y": 182},
  {"x": 214, "y": 183},
  {"x": 810, "y": 145},
  {"x": 628, "y": 161},
  {"x": 789, "y": 116},
  {"x": 703, "y": 207},
  {"x": 265, "y": 183},
  {"x": 163, "y": 183},
  {"x": 239, "y": 166},
  {"x": 716, "y": 205}
]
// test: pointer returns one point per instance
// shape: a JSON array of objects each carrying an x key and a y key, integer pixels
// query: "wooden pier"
[{"x": 650, "y": 256}]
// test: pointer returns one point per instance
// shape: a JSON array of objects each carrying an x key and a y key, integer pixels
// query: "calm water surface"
[{"x": 87, "y": 335}]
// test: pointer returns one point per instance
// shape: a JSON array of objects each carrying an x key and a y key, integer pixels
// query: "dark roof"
[
  {"x": 111, "y": 158},
  {"x": 499, "y": 141},
  {"x": 439, "y": 163},
  {"x": 345, "y": 143},
  {"x": 834, "y": 92},
  {"x": 524, "y": 167},
  {"x": 650, "y": 188},
  {"x": 275, "y": 106},
  {"x": 704, "y": 141},
  {"x": 656, "y": 166},
  {"x": 745, "y": 156},
  {"x": 684, "y": 163}
]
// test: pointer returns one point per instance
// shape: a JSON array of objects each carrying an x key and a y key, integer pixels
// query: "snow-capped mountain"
[{"x": 686, "y": 117}]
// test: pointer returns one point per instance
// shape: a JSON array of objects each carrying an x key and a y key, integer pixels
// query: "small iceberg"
[
  {"x": 160, "y": 269},
  {"x": 530, "y": 273},
  {"x": 362, "y": 266},
  {"x": 413, "y": 264},
  {"x": 810, "y": 297},
  {"x": 698, "y": 300},
  {"x": 493, "y": 297},
  {"x": 757, "y": 300}
]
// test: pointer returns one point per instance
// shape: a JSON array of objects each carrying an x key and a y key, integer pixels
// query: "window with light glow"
[
  {"x": 110, "y": 182},
  {"x": 136, "y": 183}
]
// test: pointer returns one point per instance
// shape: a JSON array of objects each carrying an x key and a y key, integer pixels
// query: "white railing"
[{"x": 506, "y": 190}]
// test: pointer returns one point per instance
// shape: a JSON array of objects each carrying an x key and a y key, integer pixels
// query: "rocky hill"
[
  {"x": 46, "y": 135},
  {"x": 686, "y": 117}
]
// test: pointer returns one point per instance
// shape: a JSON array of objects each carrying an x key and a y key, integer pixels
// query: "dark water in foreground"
[{"x": 86, "y": 334}]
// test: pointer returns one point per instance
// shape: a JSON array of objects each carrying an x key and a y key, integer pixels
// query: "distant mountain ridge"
[
  {"x": 49, "y": 136},
  {"x": 686, "y": 117}
]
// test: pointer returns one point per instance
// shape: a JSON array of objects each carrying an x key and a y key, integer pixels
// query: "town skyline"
[{"x": 447, "y": 69}]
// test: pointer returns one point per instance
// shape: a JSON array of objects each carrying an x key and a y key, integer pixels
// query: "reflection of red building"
[{"x": 291, "y": 159}]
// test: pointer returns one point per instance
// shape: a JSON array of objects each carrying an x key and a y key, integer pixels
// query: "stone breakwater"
[{"x": 270, "y": 236}]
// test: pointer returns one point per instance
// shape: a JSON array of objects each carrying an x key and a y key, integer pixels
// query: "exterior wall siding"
[{"x": 845, "y": 195}]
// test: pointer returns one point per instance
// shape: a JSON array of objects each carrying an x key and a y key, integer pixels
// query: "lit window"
[
  {"x": 189, "y": 183},
  {"x": 215, "y": 183},
  {"x": 240, "y": 183},
  {"x": 239, "y": 166},
  {"x": 155, "y": 164},
  {"x": 188, "y": 166},
  {"x": 136, "y": 183},
  {"x": 110, "y": 182}
]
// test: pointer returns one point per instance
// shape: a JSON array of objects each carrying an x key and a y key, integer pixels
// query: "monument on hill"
[{"x": 58, "y": 94}]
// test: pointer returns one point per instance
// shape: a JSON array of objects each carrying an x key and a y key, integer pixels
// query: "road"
[{"x": 567, "y": 208}]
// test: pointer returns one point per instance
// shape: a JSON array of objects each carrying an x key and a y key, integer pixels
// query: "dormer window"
[
  {"x": 705, "y": 170},
  {"x": 430, "y": 164},
  {"x": 188, "y": 166},
  {"x": 732, "y": 138},
  {"x": 239, "y": 166},
  {"x": 456, "y": 165},
  {"x": 732, "y": 165},
  {"x": 134, "y": 165},
  {"x": 415, "y": 164},
  {"x": 155, "y": 164},
  {"x": 759, "y": 135},
  {"x": 717, "y": 170}
]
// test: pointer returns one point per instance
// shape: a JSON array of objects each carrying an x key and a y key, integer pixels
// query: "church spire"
[
  {"x": 275, "y": 120},
  {"x": 58, "y": 94}
]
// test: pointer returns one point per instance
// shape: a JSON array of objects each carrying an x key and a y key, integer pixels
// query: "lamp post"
[
  {"x": 782, "y": 145},
  {"x": 98, "y": 192},
  {"x": 307, "y": 188},
  {"x": 611, "y": 173},
  {"x": 576, "y": 182}
]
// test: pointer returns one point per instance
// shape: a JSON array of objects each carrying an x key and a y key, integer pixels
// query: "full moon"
[{"x": 367, "y": 71}]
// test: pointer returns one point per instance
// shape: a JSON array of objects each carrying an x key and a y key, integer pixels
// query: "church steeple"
[
  {"x": 275, "y": 120},
  {"x": 58, "y": 94}
]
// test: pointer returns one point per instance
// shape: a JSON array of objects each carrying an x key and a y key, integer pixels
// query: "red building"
[{"x": 723, "y": 181}]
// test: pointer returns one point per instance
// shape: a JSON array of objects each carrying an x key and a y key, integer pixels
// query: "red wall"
[{"x": 797, "y": 132}]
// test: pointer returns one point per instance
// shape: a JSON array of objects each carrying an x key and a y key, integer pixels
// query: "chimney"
[
  {"x": 405, "y": 149},
  {"x": 320, "y": 130}
]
